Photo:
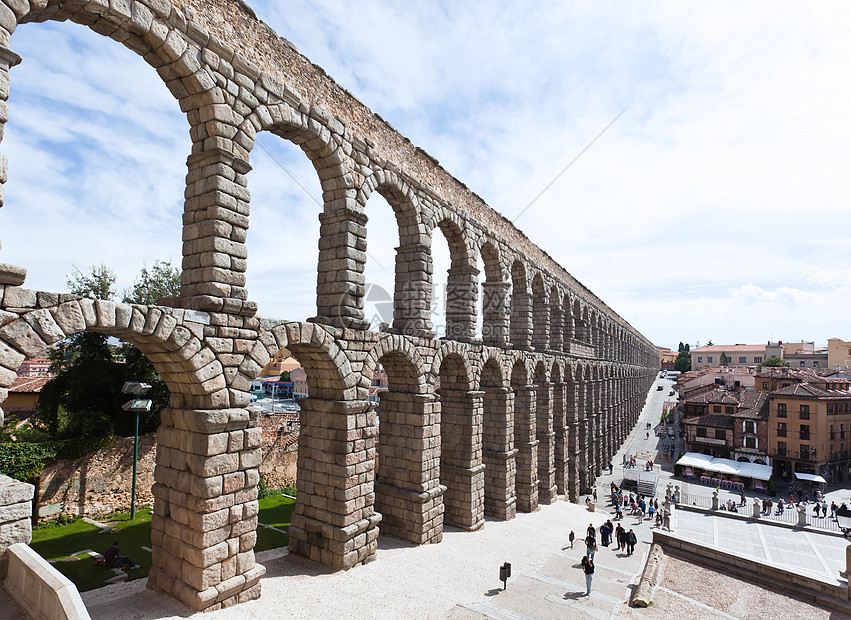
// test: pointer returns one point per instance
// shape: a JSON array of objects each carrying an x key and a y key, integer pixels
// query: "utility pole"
[{"x": 136, "y": 405}]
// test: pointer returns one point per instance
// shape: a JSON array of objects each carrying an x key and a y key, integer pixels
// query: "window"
[
  {"x": 720, "y": 433},
  {"x": 802, "y": 363},
  {"x": 749, "y": 427},
  {"x": 743, "y": 360},
  {"x": 781, "y": 429},
  {"x": 805, "y": 412},
  {"x": 716, "y": 409},
  {"x": 765, "y": 385},
  {"x": 805, "y": 431},
  {"x": 805, "y": 452},
  {"x": 728, "y": 410},
  {"x": 781, "y": 448},
  {"x": 781, "y": 410},
  {"x": 709, "y": 359},
  {"x": 815, "y": 363},
  {"x": 830, "y": 408},
  {"x": 699, "y": 359},
  {"x": 701, "y": 432},
  {"x": 750, "y": 442},
  {"x": 757, "y": 359}
]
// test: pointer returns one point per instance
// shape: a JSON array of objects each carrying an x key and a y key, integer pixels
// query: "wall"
[{"x": 15, "y": 513}]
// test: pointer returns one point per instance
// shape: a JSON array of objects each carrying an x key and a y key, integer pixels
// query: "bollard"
[
  {"x": 802, "y": 515},
  {"x": 757, "y": 508},
  {"x": 504, "y": 574}
]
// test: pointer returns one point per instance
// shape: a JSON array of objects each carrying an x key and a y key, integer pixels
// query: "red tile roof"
[{"x": 28, "y": 384}]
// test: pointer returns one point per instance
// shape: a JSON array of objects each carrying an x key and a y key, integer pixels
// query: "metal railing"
[{"x": 789, "y": 514}]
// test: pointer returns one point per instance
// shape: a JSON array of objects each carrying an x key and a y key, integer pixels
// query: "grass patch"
[
  {"x": 277, "y": 512},
  {"x": 64, "y": 542}
]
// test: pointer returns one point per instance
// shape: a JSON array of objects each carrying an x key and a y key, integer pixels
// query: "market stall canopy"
[
  {"x": 810, "y": 477},
  {"x": 726, "y": 466}
]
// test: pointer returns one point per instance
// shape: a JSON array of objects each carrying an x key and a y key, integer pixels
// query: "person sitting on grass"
[{"x": 112, "y": 558}]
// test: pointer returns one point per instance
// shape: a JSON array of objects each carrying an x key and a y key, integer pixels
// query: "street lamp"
[{"x": 137, "y": 405}]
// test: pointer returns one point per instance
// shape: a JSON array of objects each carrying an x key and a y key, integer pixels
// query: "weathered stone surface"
[{"x": 12, "y": 274}]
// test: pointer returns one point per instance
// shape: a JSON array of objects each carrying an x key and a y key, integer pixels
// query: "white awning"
[
  {"x": 725, "y": 466},
  {"x": 810, "y": 477}
]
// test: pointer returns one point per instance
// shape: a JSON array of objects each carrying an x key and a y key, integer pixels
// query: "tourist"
[
  {"x": 588, "y": 569},
  {"x": 595, "y": 495},
  {"x": 591, "y": 531},
  {"x": 631, "y": 539},
  {"x": 571, "y": 537},
  {"x": 620, "y": 534},
  {"x": 113, "y": 559},
  {"x": 607, "y": 535},
  {"x": 742, "y": 501},
  {"x": 590, "y": 546},
  {"x": 610, "y": 468},
  {"x": 650, "y": 511},
  {"x": 832, "y": 510}
]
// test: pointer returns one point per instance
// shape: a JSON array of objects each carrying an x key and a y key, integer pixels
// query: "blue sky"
[{"x": 715, "y": 208}]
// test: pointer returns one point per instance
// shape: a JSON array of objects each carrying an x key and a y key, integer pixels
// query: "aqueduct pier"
[{"x": 530, "y": 410}]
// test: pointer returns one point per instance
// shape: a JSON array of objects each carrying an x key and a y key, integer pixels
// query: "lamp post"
[{"x": 136, "y": 405}]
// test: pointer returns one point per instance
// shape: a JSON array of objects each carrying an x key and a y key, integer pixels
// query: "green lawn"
[{"x": 64, "y": 543}]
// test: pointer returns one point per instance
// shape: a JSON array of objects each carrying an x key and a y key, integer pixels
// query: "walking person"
[
  {"x": 571, "y": 538},
  {"x": 610, "y": 468},
  {"x": 588, "y": 569},
  {"x": 590, "y": 546},
  {"x": 619, "y": 536},
  {"x": 631, "y": 539}
]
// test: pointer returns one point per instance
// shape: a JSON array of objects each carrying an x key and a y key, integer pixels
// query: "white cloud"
[{"x": 716, "y": 207}]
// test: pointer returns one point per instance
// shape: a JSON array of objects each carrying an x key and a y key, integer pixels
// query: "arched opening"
[
  {"x": 460, "y": 293},
  {"x": 497, "y": 443},
  {"x": 441, "y": 265},
  {"x": 97, "y": 162},
  {"x": 495, "y": 298},
  {"x": 381, "y": 269},
  {"x": 526, "y": 477},
  {"x": 461, "y": 467},
  {"x": 544, "y": 436},
  {"x": 408, "y": 494},
  {"x": 521, "y": 307},
  {"x": 286, "y": 196},
  {"x": 556, "y": 328},
  {"x": 572, "y": 415},
  {"x": 540, "y": 314},
  {"x": 568, "y": 334},
  {"x": 585, "y": 429},
  {"x": 743, "y": 459},
  {"x": 561, "y": 449}
]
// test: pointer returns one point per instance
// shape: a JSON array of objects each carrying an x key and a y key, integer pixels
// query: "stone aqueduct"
[{"x": 531, "y": 410}]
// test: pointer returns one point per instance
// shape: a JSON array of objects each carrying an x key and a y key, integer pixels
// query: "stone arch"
[
  {"x": 526, "y": 459},
  {"x": 462, "y": 279},
  {"x": 521, "y": 307},
  {"x": 544, "y": 435},
  {"x": 568, "y": 334},
  {"x": 540, "y": 314},
  {"x": 556, "y": 327},
  {"x": 461, "y": 467},
  {"x": 560, "y": 436},
  {"x": 497, "y": 440},
  {"x": 495, "y": 312},
  {"x": 413, "y": 273},
  {"x": 407, "y": 487},
  {"x": 188, "y": 367},
  {"x": 329, "y": 373}
]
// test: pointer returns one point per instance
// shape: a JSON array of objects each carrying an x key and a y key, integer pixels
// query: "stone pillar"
[
  {"x": 546, "y": 444},
  {"x": 495, "y": 314},
  {"x": 342, "y": 257},
  {"x": 412, "y": 300},
  {"x": 583, "y": 420},
  {"x": 573, "y": 449},
  {"x": 204, "y": 524},
  {"x": 408, "y": 493},
  {"x": 556, "y": 326},
  {"x": 462, "y": 472},
  {"x": 527, "y": 448},
  {"x": 561, "y": 454},
  {"x": 215, "y": 226},
  {"x": 335, "y": 522},
  {"x": 498, "y": 454},
  {"x": 598, "y": 427},
  {"x": 462, "y": 292},
  {"x": 16, "y": 509},
  {"x": 540, "y": 324},
  {"x": 521, "y": 319}
]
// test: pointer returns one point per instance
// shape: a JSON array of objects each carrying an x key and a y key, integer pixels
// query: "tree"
[
  {"x": 285, "y": 376},
  {"x": 85, "y": 398},
  {"x": 683, "y": 361},
  {"x": 775, "y": 362},
  {"x": 163, "y": 280},
  {"x": 725, "y": 361}
]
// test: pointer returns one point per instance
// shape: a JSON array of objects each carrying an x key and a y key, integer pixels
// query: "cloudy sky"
[{"x": 716, "y": 207}]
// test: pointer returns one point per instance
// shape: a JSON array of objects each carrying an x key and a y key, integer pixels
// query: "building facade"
[{"x": 810, "y": 429}]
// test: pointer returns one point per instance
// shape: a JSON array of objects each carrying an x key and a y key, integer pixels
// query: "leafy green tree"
[
  {"x": 774, "y": 362},
  {"x": 163, "y": 280},
  {"x": 285, "y": 376},
  {"x": 683, "y": 361},
  {"x": 725, "y": 361}
]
